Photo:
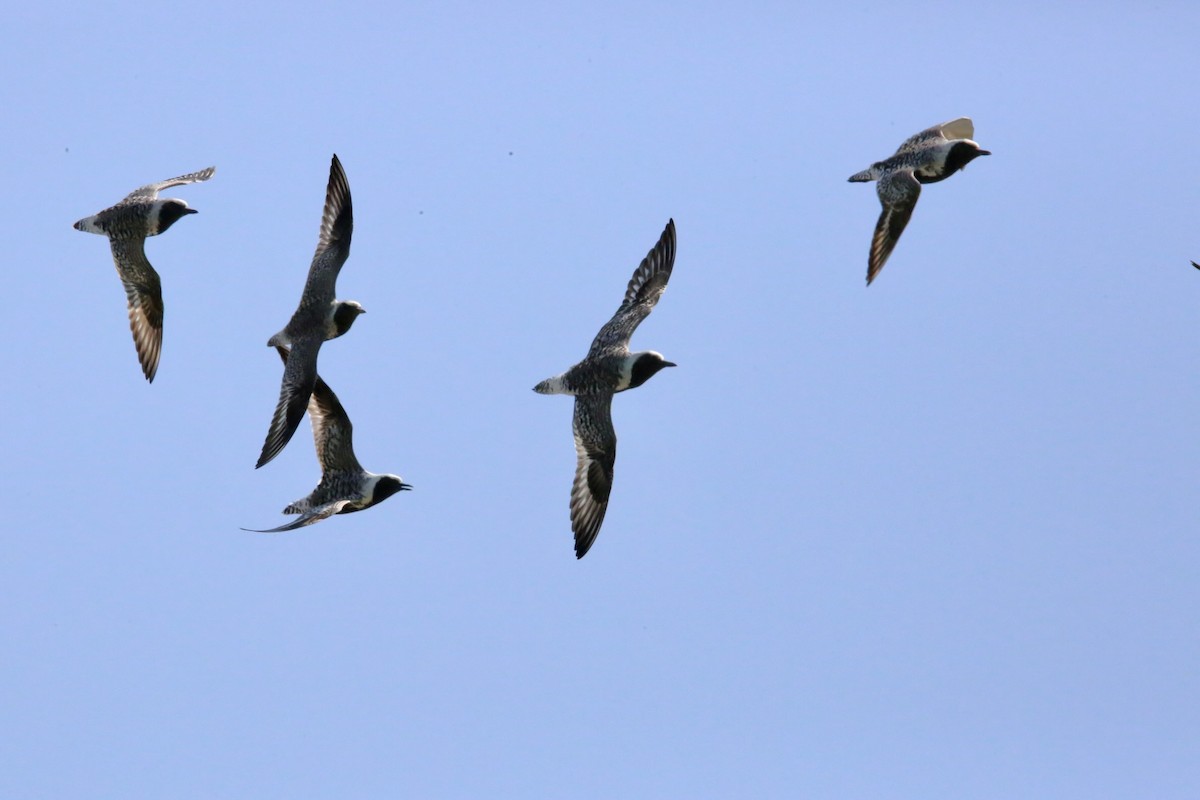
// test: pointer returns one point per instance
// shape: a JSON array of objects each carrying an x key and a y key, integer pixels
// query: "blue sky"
[{"x": 934, "y": 538}]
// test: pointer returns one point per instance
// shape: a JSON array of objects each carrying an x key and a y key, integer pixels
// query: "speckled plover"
[
  {"x": 930, "y": 156},
  {"x": 345, "y": 486},
  {"x": 127, "y": 224},
  {"x": 319, "y": 317},
  {"x": 609, "y": 368}
]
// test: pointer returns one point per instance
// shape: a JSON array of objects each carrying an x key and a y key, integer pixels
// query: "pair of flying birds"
[{"x": 609, "y": 367}]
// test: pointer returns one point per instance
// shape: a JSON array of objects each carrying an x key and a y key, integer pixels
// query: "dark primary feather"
[
  {"x": 143, "y": 294},
  {"x": 299, "y": 378},
  {"x": 645, "y": 287},
  {"x": 596, "y": 453},
  {"x": 337, "y": 218},
  {"x": 333, "y": 242}
]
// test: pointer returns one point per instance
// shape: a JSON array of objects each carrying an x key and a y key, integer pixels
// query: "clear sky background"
[{"x": 937, "y": 538}]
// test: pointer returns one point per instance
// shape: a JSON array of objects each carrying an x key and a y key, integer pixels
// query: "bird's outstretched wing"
[
  {"x": 150, "y": 191},
  {"x": 333, "y": 240},
  {"x": 299, "y": 378},
  {"x": 641, "y": 295},
  {"x": 596, "y": 451},
  {"x": 898, "y": 193},
  {"x": 143, "y": 292}
]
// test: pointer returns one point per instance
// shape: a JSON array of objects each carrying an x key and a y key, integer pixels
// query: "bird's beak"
[
  {"x": 190, "y": 211},
  {"x": 984, "y": 152},
  {"x": 669, "y": 364},
  {"x": 405, "y": 487}
]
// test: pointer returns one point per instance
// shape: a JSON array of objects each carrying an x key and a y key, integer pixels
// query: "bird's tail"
[
  {"x": 553, "y": 385},
  {"x": 299, "y": 507},
  {"x": 88, "y": 225}
]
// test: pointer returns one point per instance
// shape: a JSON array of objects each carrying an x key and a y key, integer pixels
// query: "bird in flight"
[
  {"x": 345, "y": 486},
  {"x": 608, "y": 368},
  {"x": 319, "y": 317},
  {"x": 127, "y": 224},
  {"x": 930, "y": 156}
]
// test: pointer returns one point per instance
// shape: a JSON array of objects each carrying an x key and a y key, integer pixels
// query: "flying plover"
[
  {"x": 930, "y": 156},
  {"x": 319, "y": 317},
  {"x": 345, "y": 486},
  {"x": 609, "y": 368},
  {"x": 127, "y": 224}
]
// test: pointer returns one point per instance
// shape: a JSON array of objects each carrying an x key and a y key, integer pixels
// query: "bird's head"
[
  {"x": 963, "y": 153},
  {"x": 170, "y": 212},
  {"x": 386, "y": 486},
  {"x": 344, "y": 315},
  {"x": 645, "y": 366}
]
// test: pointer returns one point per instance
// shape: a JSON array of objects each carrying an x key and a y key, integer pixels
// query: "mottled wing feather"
[
  {"x": 919, "y": 140},
  {"x": 150, "y": 191},
  {"x": 596, "y": 451},
  {"x": 333, "y": 432},
  {"x": 310, "y": 516},
  {"x": 960, "y": 128},
  {"x": 143, "y": 292},
  {"x": 898, "y": 193},
  {"x": 646, "y": 286},
  {"x": 299, "y": 377},
  {"x": 333, "y": 240}
]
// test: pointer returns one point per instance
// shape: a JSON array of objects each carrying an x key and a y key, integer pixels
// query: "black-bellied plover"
[
  {"x": 345, "y": 486},
  {"x": 127, "y": 224},
  {"x": 319, "y": 317},
  {"x": 609, "y": 368},
  {"x": 930, "y": 156}
]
